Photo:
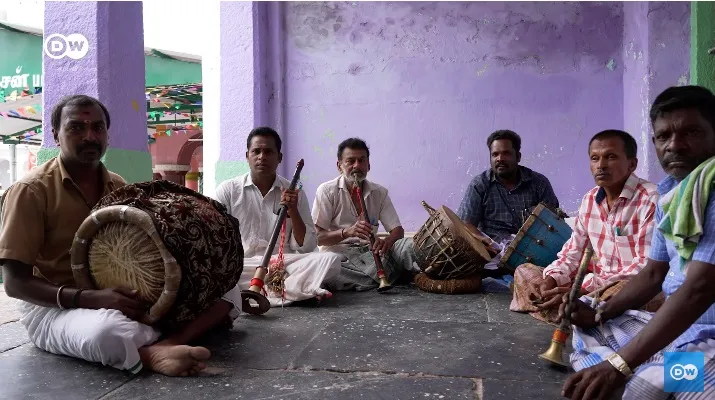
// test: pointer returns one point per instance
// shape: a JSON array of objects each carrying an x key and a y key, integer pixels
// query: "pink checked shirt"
[{"x": 620, "y": 236}]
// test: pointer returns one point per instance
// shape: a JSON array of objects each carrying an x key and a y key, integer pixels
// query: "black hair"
[
  {"x": 505, "y": 134},
  {"x": 264, "y": 131},
  {"x": 353, "y": 143},
  {"x": 77, "y": 100},
  {"x": 629, "y": 143},
  {"x": 682, "y": 97}
]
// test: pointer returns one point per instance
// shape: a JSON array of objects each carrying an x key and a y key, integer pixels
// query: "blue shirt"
[
  {"x": 499, "y": 212},
  {"x": 662, "y": 250}
]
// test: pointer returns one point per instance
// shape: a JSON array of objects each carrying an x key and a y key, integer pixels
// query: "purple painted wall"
[
  {"x": 656, "y": 55},
  {"x": 425, "y": 83},
  {"x": 239, "y": 80}
]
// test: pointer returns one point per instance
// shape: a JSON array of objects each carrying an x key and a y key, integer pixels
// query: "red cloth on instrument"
[{"x": 277, "y": 263}]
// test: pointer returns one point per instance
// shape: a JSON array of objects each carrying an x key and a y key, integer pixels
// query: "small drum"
[
  {"x": 445, "y": 248},
  {"x": 538, "y": 241},
  {"x": 180, "y": 250}
]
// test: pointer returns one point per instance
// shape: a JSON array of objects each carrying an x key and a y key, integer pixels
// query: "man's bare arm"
[
  {"x": 21, "y": 284},
  {"x": 639, "y": 290},
  {"x": 328, "y": 238},
  {"x": 682, "y": 309},
  {"x": 395, "y": 235}
]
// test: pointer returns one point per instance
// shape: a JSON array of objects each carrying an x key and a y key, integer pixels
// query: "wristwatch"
[{"x": 620, "y": 364}]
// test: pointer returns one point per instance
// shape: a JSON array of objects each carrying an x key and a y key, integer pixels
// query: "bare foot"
[{"x": 174, "y": 360}]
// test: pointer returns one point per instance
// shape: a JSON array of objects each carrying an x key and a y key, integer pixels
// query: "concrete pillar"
[
  {"x": 656, "y": 42},
  {"x": 108, "y": 66},
  {"x": 242, "y": 38},
  {"x": 192, "y": 180},
  {"x": 702, "y": 39}
]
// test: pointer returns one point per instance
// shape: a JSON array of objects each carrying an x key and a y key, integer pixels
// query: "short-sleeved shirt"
[
  {"x": 664, "y": 250},
  {"x": 620, "y": 236},
  {"x": 40, "y": 216},
  {"x": 333, "y": 209},
  {"x": 498, "y": 212},
  {"x": 257, "y": 214}
]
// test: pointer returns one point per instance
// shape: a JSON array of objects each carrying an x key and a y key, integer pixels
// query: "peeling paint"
[
  {"x": 482, "y": 70},
  {"x": 683, "y": 80},
  {"x": 611, "y": 65}
]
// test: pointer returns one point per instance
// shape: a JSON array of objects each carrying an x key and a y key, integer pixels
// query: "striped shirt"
[
  {"x": 663, "y": 250},
  {"x": 620, "y": 236}
]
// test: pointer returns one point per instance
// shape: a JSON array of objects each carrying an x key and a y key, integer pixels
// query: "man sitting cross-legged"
[
  {"x": 40, "y": 216},
  {"x": 255, "y": 199},
  {"x": 623, "y": 346},
  {"x": 615, "y": 217}
]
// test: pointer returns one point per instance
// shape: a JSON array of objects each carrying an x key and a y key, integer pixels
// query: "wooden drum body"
[
  {"x": 538, "y": 241},
  {"x": 180, "y": 250},
  {"x": 444, "y": 247}
]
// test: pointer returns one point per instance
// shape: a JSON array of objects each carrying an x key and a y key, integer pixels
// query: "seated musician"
[
  {"x": 681, "y": 263},
  {"x": 255, "y": 199},
  {"x": 616, "y": 217},
  {"x": 40, "y": 216},
  {"x": 337, "y": 214},
  {"x": 498, "y": 201}
]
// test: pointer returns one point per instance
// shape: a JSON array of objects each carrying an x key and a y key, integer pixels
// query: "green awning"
[{"x": 174, "y": 76}]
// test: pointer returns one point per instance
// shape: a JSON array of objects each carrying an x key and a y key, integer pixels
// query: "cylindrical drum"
[{"x": 180, "y": 250}]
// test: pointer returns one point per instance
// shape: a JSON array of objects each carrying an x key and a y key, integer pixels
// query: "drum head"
[{"x": 461, "y": 230}]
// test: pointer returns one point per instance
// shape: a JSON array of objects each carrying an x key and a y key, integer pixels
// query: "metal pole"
[{"x": 13, "y": 163}]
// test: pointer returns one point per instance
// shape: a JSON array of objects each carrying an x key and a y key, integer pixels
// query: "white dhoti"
[
  {"x": 104, "y": 336},
  {"x": 306, "y": 273}
]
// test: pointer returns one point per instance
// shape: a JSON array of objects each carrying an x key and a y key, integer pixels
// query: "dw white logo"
[
  {"x": 74, "y": 46},
  {"x": 680, "y": 372}
]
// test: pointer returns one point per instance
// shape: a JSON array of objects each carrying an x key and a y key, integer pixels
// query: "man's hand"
[
  {"x": 290, "y": 198},
  {"x": 120, "y": 299},
  {"x": 360, "y": 229},
  {"x": 382, "y": 246},
  {"x": 582, "y": 315},
  {"x": 594, "y": 383},
  {"x": 551, "y": 295},
  {"x": 548, "y": 284},
  {"x": 537, "y": 291}
]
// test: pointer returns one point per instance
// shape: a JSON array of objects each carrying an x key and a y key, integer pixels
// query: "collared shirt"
[
  {"x": 257, "y": 215},
  {"x": 40, "y": 216},
  {"x": 498, "y": 212},
  {"x": 333, "y": 209},
  {"x": 664, "y": 250},
  {"x": 620, "y": 236}
]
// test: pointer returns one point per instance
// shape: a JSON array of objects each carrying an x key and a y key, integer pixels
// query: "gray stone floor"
[{"x": 405, "y": 344}]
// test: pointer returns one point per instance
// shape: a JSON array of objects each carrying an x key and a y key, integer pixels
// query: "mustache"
[
  {"x": 675, "y": 158},
  {"x": 88, "y": 146}
]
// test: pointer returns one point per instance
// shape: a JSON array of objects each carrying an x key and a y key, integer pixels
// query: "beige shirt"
[
  {"x": 40, "y": 216},
  {"x": 333, "y": 209},
  {"x": 257, "y": 215}
]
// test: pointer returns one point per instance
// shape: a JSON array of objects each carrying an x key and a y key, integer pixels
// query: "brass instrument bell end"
[
  {"x": 554, "y": 354},
  {"x": 384, "y": 286}
]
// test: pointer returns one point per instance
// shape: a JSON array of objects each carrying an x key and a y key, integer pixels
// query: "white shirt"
[
  {"x": 257, "y": 215},
  {"x": 333, "y": 208}
]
